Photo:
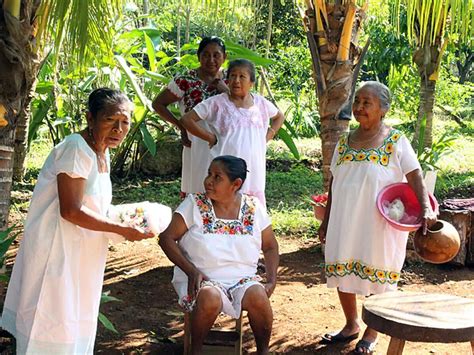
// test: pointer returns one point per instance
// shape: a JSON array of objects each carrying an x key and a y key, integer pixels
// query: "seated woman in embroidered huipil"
[
  {"x": 215, "y": 241},
  {"x": 364, "y": 254}
]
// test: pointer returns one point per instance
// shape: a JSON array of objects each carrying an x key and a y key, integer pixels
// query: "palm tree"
[
  {"x": 82, "y": 29},
  {"x": 431, "y": 24},
  {"x": 332, "y": 29}
]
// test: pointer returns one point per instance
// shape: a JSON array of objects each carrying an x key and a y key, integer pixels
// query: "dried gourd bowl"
[{"x": 405, "y": 193}]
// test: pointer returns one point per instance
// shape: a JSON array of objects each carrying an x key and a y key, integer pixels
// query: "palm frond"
[
  {"x": 79, "y": 29},
  {"x": 436, "y": 19}
]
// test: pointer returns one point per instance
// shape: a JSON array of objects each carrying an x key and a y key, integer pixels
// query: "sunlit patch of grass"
[
  {"x": 288, "y": 195},
  {"x": 309, "y": 148},
  {"x": 38, "y": 153}
]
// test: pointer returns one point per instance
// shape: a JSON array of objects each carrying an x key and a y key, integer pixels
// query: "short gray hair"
[{"x": 382, "y": 92}]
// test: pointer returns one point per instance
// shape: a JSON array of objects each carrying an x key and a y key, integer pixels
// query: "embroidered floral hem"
[
  {"x": 365, "y": 272},
  {"x": 188, "y": 303}
]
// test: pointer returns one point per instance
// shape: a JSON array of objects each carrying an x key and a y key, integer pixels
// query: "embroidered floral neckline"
[
  {"x": 380, "y": 155},
  {"x": 214, "y": 225}
]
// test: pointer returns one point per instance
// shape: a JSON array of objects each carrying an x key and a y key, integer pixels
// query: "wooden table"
[{"x": 418, "y": 316}]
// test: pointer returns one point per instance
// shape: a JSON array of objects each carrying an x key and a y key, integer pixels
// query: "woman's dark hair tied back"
[
  {"x": 234, "y": 167},
  {"x": 242, "y": 63},
  {"x": 103, "y": 97},
  {"x": 208, "y": 40}
]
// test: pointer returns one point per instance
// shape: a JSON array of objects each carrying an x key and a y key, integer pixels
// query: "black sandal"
[
  {"x": 365, "y": 347},
  {"x": 334, "y": 338}
]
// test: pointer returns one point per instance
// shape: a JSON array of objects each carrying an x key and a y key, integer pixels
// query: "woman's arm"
[
  {"x": 71, "y": 193},
  {"x": 160, "y": 105},
  {"x": 272, "y": 258},
  {"x": 168, "y": 242},
  {"x": 190, "y": 120},
  {"x": 324, "y": 224},
  {"x": 275, "y": 124},
  {"x": 416, "y": 182}
]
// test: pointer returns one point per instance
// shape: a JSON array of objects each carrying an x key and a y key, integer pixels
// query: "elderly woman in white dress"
[
  {"x": 215, "y": 241},
  {"x": 240, "y": 124},
  {"x": 53, "y": 298},
  {"x": 364, "y": 254}
]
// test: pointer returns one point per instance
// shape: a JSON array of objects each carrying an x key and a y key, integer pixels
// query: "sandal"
[
  {"x": 365, "y": 347},
  {"x": 334, "y": 338}
]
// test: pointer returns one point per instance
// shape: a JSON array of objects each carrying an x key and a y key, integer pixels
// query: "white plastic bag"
[
  {"x": 146, "y": 216},
  {"x": 395, "y": 209}
]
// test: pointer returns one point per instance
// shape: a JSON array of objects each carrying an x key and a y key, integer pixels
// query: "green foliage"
[
  {"x": 403, "y": 83},
  {"x": 105, "y": 298},
  {"x": 387, "y": 49},
  {"x": 6, "y": 239},
  {"x": 429, "y": 156},
  {"x": 287, "y": 195}
]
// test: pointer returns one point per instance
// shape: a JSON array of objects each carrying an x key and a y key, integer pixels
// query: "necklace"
[
  {"x": 368, "y": 139},
  {"x": 101, "y": 160}
]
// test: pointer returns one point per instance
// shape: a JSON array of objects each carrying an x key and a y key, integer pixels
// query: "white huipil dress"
[
  {"x": 364, "y": 254},
  {"x": 191, "y": 90},
  {"x": 240, "y": 132},
  {"x": 225, "y": 250},
  {"x": 53, "y": 297}
]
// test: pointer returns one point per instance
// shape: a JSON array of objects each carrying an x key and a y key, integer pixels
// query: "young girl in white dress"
[{"x": 215, "y": 241}]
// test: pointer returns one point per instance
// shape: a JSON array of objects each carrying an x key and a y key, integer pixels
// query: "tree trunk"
[
  {"x": 6, "y": 172},
  {"x": 18, "y": 69},
  {"x": 425, "y": 108},
  {"x": 21, "y": 133},
  {"x": 427, "y": 60},
  {"x": 332, "y": 33}
]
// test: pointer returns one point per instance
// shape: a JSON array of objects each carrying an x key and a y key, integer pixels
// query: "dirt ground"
[{"x": 150, "y": 322}]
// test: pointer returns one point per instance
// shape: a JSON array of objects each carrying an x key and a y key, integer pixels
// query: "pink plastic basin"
[{"x": 405, "y": 193}]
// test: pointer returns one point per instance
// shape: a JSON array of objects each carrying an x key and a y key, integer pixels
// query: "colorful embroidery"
[
  {"x": 363, "y": 271},
  {"x": 195, "y": 90},
  {"x": 379, "y": 155},
  {"x": 214, "y": 225}
]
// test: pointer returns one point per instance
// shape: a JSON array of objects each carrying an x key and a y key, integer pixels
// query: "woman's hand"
[
  {"x": 185, "y": 139},
  {"x": 134, "y": 235},
  {"x": 428, "y": 218},
  {"x": 269, "y": 288},
  {"x": 221, "y": 86},
  {"x": 194, "y": 282},
  {"x": 270, "y": 134},
  {"x": 322, "y": 232},
  {"x": 212, "y": 140}
]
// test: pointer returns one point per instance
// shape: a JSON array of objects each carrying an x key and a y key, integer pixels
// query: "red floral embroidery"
[
  {"x": 211, "y": 224},
  {"x": 195, "y": 90}
]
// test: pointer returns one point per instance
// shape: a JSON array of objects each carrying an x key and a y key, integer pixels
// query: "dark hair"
[
  {"x": 234, "y": 167},
  {"x": 208, "y": 40},
  {"x": 103, "y": 97},
  {"x": 242, "y": 63}
]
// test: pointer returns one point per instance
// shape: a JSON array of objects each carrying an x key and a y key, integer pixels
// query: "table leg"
[
  {"x": 396, "y": 346},
  {"x": 472, "y": 347}
]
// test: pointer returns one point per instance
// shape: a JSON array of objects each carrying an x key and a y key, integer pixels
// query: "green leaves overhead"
[
  {"x": 233, "y": 50},
  {"x": 432, "y": 19},
  {"x": 81, "y": 28}
]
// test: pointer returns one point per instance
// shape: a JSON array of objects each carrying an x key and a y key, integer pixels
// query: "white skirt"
[{"x": 232, "y": 292}]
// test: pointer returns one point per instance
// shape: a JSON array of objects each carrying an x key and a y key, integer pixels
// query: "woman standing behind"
[
  {"x": 364, "y": 254},
  {"x": 189, "y": 90},
  {"x": 240, "y": 124},
  {"x": 52, "y": 301}
]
